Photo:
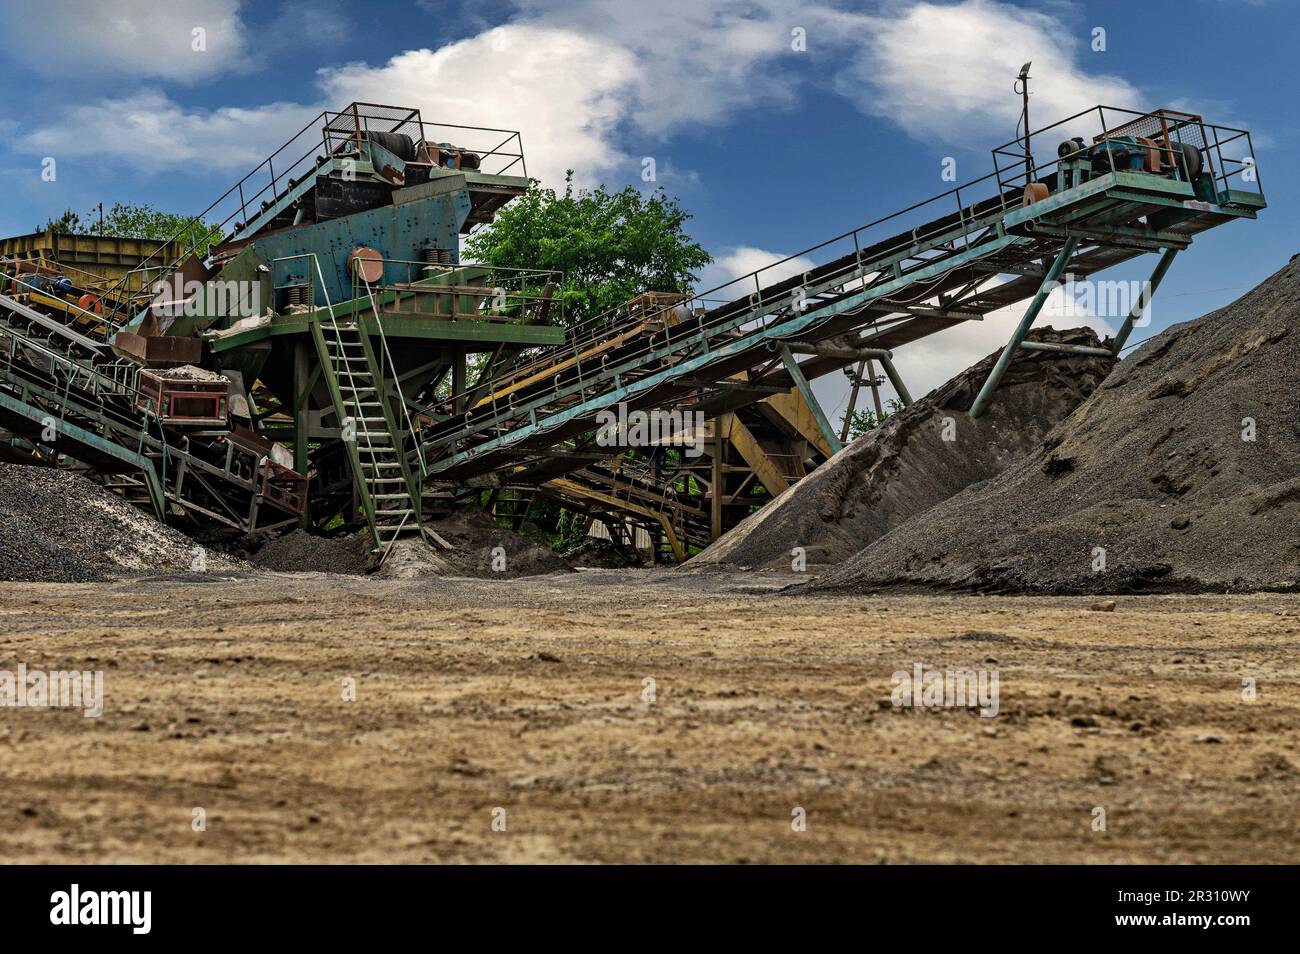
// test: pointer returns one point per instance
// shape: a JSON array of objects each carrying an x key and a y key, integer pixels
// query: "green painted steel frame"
[
  {"x": 789, "y": 329},
  {"x": 810, "y": 399},
  {"x": 1031, "y": 313},
  {"x": 468, "y": 332},
  {"x": 1139, "y": 306},
  {"x": 133, "y": 461},
  {"x": 354, "y": 457},
  {"x": 383, "y": 385}
]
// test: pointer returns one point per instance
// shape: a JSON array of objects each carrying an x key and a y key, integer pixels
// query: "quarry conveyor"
[{"x": 349, "y": 381}]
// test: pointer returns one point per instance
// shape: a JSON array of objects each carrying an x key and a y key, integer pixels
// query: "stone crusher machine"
[
  {"x": 272, "y": 378},
  {"x": 315, "y": 359}
]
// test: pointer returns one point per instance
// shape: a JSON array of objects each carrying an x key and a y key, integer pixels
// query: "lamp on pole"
[{"x": 1022, "y": 87}]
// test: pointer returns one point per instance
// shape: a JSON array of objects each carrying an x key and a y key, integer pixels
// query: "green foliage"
[
  {"x": 862, "y": 421},
  {"x": 611, "y": 246},
  {"x": 570, "y": 532},
  {"x": 69, "y": 223},
  {"x": 125, "y": 220}
]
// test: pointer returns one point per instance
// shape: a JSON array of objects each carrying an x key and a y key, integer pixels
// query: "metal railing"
[
  {"x": 1166, "y": 130},
  {"x": 771, "y": 288},
  {"x": 330, "y": 130},
  {"x": 386, "y": 356},
  {"x": 951, "y": 222},
  {"x": 473, "y": 291},
  {"x": 1004, "y": 190},
  {"x": 503, "y": 156}
]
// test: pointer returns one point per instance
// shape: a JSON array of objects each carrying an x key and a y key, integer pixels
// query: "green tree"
[
  {"x": 69, "y": 223},
  {"x": 611, "y": 246},
  {"x": 145, "y": 222},
  {"x": 127, "y": 220},
  {"x": 866, "y": 420}
]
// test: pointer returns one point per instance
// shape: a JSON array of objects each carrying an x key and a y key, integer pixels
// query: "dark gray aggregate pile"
[
  {"x": 59, "y": 527},
  {"x": 301, "y": 552},
  {"x": 472, "y": 533},
  {"x": 905, "y": 467},
  {"x": 1182, "y": 471}
]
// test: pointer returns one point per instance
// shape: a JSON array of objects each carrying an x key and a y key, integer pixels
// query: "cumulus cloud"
[
  {"x": 696, "y": 63},
  {"x": 575, "y": 78},
  {"x": 945, "y": 71},
  {"x": 149, "y": 128},
  {"x": 565, "y": 91},
  {"x": 742, "y": 261},
  {"x": 141, "y": 38}
]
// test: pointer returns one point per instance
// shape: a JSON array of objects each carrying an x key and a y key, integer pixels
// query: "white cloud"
[
  {"x": 696, "y": 63},
  {"x": 565, "y": 91},
  {"x": 150, "y": 129},
  {"x": 945, "y": 71},
  {"x": 740, "y": 262},
  {"x": 142, "y": 38},
  {"x": 575, "y": 77}
]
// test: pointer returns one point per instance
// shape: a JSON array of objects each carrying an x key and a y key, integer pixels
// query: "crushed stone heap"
[
  {"x": 905, "y": 467},
  {"x": 1181, "y": 473},
  {"x": 59, "y": 527},
  {"x": 473, "y": 534}
]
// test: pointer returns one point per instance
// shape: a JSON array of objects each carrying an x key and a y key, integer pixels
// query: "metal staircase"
[{"x": 385, "y": 487}]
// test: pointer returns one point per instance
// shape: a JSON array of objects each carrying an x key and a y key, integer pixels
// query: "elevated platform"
[{"x": 883, "y": 293}]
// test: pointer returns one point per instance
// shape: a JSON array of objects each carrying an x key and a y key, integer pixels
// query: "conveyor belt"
[{"x": 52, "y": 324}]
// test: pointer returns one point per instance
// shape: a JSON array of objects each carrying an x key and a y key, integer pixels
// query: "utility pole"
[
  {"x": 866, "y": 374},
  {"x": 856, "y": 380}
]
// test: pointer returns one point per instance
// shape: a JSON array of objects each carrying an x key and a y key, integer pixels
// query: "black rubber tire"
[
  {"x": 399, "y": 144},
  {"x": 1189, "y": 160}
]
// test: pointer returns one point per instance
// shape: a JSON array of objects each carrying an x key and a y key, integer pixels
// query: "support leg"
[
  {"x": 853, "y": 401},
  {"x": 1031, "y": 313},
  {"x": 896, "y": 380},
  {"x": 458, "y": 381},
  {"x": 1162, "y": 266},
  {"x": 301, "y": 392},
  {"x": 875, "y": 390},
  {"x": 717, "y": 477},
  {"x": 819, "y": 415}
]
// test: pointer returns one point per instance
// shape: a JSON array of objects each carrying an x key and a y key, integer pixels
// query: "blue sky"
[{"x": 772, "y": 148}]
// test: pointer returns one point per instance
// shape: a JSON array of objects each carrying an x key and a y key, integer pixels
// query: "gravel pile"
[
  {"x": 479, "y": 545},
  {"x": 302, "y": 552},
  {"x": 597, "y": 553},
  {"x": 187, "y": 372},
  {"x": 60, "y": 527},
  {"x": 1180, "y": 473},
  {"x": 919, "y": 457}
]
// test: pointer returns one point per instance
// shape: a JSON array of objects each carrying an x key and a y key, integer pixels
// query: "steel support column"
[
  {"x": 895, "y": 379},
  {"x": 1009, "y": 352},
  {"x": 718, "y": 475},
  {"x": 1148, "y": 290},
  {"x": 810, "y": 399}
]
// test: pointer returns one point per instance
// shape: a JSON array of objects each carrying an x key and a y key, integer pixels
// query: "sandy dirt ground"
[{"x": 526, "y": 702}]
